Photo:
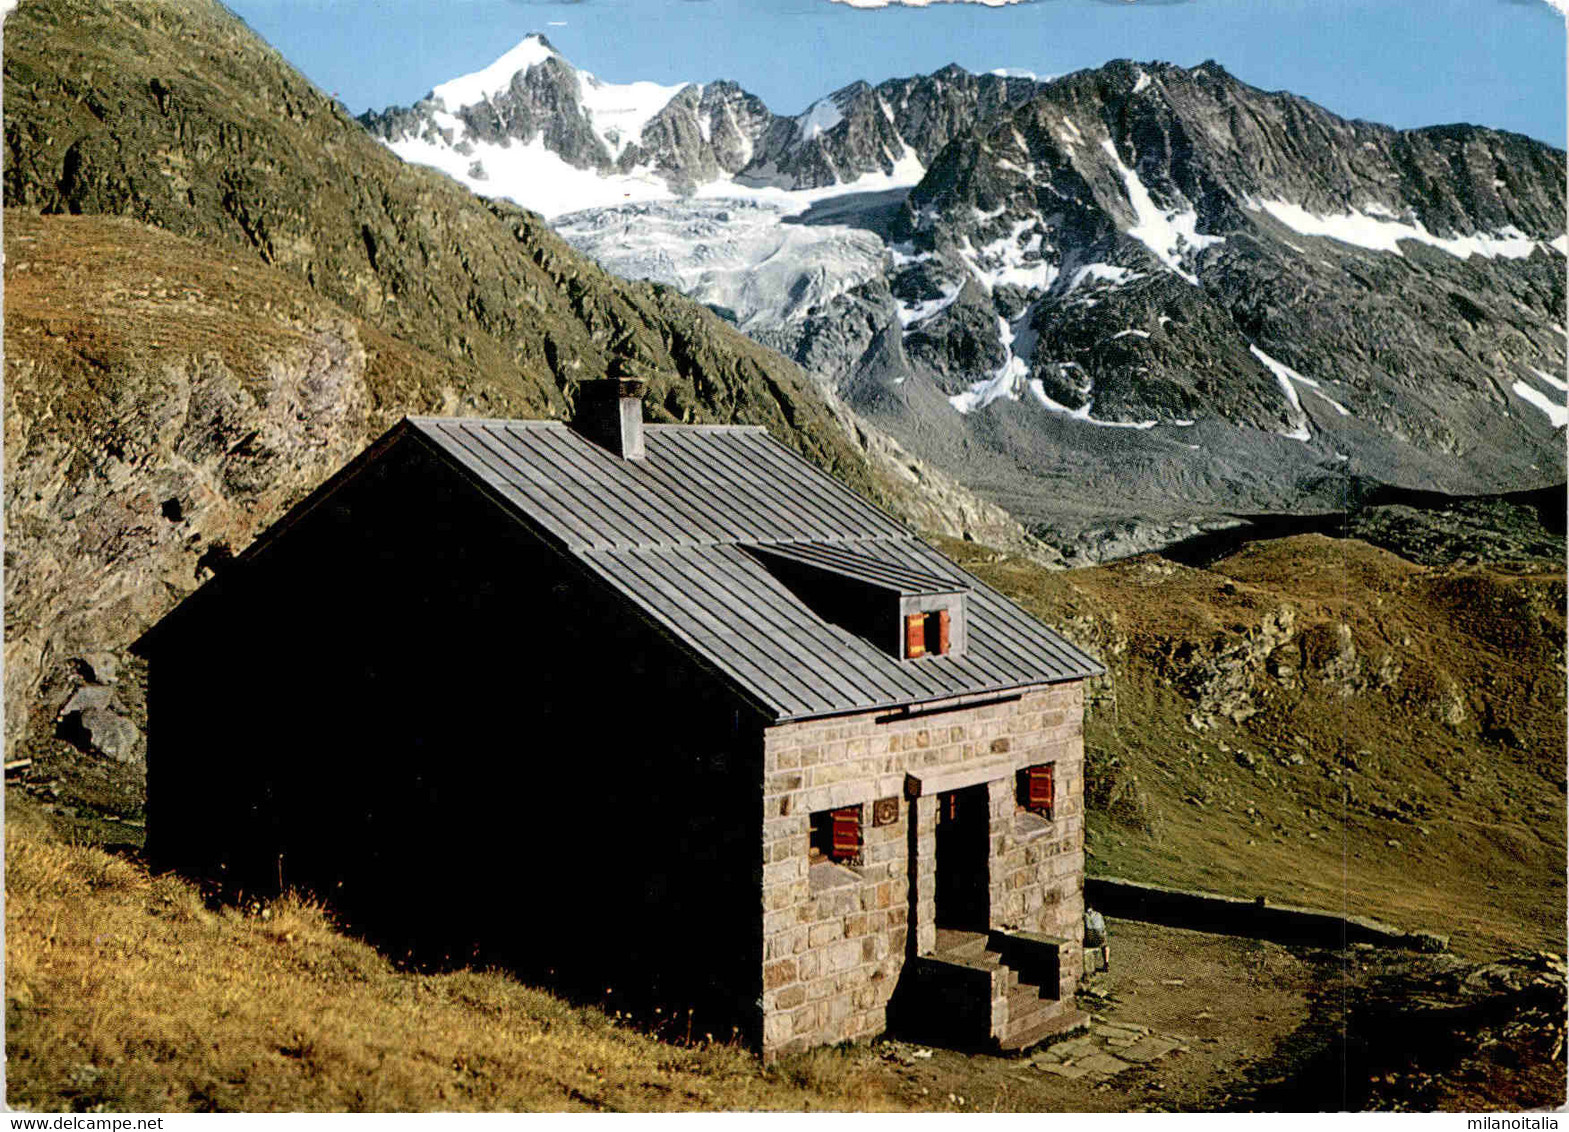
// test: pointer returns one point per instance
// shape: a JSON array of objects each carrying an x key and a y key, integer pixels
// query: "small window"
[
  {"x": 926, "y": 634},
  {"x": 937, "y": 632},
  {"x": 1037, "y": 790},
  {"x": 836, "y": 836}
]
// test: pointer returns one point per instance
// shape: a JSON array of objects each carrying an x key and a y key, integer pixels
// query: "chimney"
[{"x": 610, "y": 413}]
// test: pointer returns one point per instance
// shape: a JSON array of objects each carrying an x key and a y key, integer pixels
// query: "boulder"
[{"x": 101, "y": 731}]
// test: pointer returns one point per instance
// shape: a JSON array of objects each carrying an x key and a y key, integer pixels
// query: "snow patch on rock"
[
  {"x": 1170, "y": 234},
  {"x": 1374, "y": 229},
  {"x": 1082, "y": 413},
  {"x": 1557, "y": 383},
  {"x": 1004, "y": 380},
  {"x": 819, "y": 118},
  {"x": 619, "y": 111},
  {"x": 530, "y": 174},
  {"x": 1012, "y": 259},
  {"x": 1555, "y": 409},
  {"x": 1108, "y": 273},
  {"x": 1286, "y": 376},
  {"x": 909, "y": 314}
]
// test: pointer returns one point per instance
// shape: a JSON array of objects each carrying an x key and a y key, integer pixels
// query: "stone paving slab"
[
  {"x": 1069, "y": 1070},
  {"x": 1148, "y": 1049},
  {"x": 1119, "y": 1030},
  {"x": 1108, "y": 1049},
  {"x": 1102, "y": 1063},
  {"x": 1066, "y": 1051}
]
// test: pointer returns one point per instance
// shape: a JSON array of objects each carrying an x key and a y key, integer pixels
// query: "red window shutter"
[
  {"x": 915, "y": 635},
  {"x": 1039, "y": 793},
  {"x": 942, "y": 632},
  {"x": 846, "y": 833}
]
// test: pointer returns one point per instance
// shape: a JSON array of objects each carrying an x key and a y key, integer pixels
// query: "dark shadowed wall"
[{"x": 412, "y": 706}]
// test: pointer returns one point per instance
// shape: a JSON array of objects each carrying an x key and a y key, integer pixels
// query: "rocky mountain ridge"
[
  {"x": 1161, "y": 295},
  {"x": 532, "y": 110}
]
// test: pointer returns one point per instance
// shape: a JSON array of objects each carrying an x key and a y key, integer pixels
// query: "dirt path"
[{"x": 1183, "y": 1020}]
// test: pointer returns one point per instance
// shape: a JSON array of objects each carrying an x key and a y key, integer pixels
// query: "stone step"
[
  {"x": 974, "y": 950},
  {"x": 1022, "y": 997},
  {"x": 1039, "y": 1026},
  {"x": 1025, "y": 1010},
  {"x": 971, "y": 949}
]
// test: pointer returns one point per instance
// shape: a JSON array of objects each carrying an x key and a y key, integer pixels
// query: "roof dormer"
[{"x": 908, "y": 613}]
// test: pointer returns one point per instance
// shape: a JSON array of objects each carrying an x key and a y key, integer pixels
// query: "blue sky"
[{"x": 1403, "y": 62}]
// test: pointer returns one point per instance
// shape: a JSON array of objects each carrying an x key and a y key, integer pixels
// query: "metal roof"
[
  {"x": 677, "y": 533},
  {"x": 837, "y": 558},
  {"x": 697, "y": 485}
]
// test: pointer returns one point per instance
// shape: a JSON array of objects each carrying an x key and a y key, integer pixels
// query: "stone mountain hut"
[{"x": 659, "y": 710}]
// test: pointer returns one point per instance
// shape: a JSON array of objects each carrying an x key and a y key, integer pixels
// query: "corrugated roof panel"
[
  {"x": 629, "y": 572},
  {"x": 828, "y": 494},
  {"x": 841, "y": 652},
  {"x": 838, "y": 558},
  {"x": 676, "y": 533},
  {"x": 577, "y": 490},
  {"x": 802, "y": 487},
  {"x": 766, "y": 510},
  {"x": 710, "y": 510},
  {"x": 786, "y": 628},
  {"x": 532, "y": 495},
  {"x": 727, "y": 604},
  {"x": 781, "y": 628}
]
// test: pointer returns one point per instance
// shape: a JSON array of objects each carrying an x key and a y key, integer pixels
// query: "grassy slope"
[
  {"x": 1416, "y": 776},
  {"x": 92, "y": 301},
  {"x": 124, "y": 992}
]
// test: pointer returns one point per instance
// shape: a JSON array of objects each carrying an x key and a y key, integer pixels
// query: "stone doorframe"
[{"x": 922, "y": 788}]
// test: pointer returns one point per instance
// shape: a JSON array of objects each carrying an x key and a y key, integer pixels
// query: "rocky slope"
[
  {"x": 166, "y": 398},
  {"x": 1433, "y": 1034},
  {"x": 1174, "y": 245}
]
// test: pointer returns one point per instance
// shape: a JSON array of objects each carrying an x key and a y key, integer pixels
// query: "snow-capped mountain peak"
[
  {"x": 586, "y": 142},
  {"x": 617, "y": 112},
  {"x": 496, "y": 79}
]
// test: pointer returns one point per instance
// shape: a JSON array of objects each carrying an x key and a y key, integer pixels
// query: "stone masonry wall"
[
  {"x": 1037, "y": 867},
  {"x": 835, "y": 937}
]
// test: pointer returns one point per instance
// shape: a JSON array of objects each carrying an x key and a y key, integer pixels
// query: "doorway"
[{"x": 963, "y": 857}]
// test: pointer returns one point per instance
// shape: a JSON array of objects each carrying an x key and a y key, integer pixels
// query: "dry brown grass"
[
  {"x": 91, "y": 299},
  {"x": 125, "y": 992}
]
